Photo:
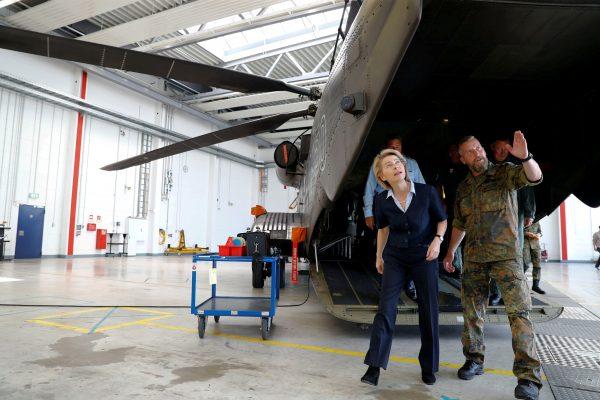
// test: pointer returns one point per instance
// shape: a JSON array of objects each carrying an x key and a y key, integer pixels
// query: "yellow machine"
[{"x": 181, "y": 248}]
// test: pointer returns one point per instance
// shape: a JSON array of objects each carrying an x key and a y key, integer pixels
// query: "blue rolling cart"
[{"x": 217, "y": 306}]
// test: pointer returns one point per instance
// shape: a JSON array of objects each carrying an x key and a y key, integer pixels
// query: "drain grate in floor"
[
  {"x": 574, "y": 378},
  {"x": 578, "y": 313},
  {"x": 572, "y": 328},
  {"x": 574, "y": 394},
  {"x": 568, "y": 351}
]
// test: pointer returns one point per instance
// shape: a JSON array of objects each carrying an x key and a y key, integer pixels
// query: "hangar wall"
[
  {"x": 210, "y": 197},
  {"x": 581, "y": 223}
]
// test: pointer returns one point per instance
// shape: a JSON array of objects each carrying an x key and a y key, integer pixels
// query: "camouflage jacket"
[
  {"x": 486, "y": 209},
  {"x": 534, "y": 228}
]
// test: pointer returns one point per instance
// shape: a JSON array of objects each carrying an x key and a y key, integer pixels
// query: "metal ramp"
[
  {"x": 349, "y": 290},
  {"x": 279, "y": 224}
]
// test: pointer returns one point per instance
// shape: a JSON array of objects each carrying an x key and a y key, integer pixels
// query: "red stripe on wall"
[
  {"x": 76, "y": 164},
  {"x": 563, "y": 231}
]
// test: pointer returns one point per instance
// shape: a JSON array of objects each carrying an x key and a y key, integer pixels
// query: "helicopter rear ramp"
[{"x": 349, "y": 290}]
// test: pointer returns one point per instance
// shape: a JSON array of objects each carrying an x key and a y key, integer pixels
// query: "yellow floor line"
[
  {"x": 58, "y": 325},
  {"x": 318, "y": 349},
  {"x": 73, "y": 313},
  {"x": 146, "y": 310},
  {"x": 169, "y": 327},
  {"x": 131, "y": 323}
]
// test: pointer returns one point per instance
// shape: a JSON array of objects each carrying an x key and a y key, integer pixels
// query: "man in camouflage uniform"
[
  {"x": 532, "y": 254},
  {"x": 486, "y": 213}
]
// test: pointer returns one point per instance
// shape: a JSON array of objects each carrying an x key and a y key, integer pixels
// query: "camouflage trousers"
[
  {"x": 513, "y": 287},
  {"x": 532, "y": 254}
]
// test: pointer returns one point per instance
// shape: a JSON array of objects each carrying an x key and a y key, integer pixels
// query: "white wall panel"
[
  {"x": 551, "y": 235},
  {"x": 57, "y": 75},
  {"x": 582, "y": 222}
]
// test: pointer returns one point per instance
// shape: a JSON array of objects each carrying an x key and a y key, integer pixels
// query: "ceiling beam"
[
  {"x": 172, "y": 20},
  {"x": 281, "y": 50},
  {"x": 55, "y": 14},
  {"x": 250, "y": 23}
]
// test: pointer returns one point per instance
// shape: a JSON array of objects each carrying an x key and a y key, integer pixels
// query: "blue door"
[{"x": 30, "y": 231}]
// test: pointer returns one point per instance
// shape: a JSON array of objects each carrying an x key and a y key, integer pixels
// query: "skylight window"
[{"x": 274, "y": 36}]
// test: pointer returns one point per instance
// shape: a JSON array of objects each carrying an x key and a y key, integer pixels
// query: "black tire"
[
  {"x": 265, "y": 328},
  {"x": 201, "y": 326},
  {"x": 217, "y": 318},
  {"x": 258, "y": 280},
  {"x": 281, "y": 272}
]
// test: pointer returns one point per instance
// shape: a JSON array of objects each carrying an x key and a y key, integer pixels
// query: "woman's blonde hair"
[{"x": 378, "y": 168}]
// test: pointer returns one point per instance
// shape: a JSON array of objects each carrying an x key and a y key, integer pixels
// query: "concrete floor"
[{"x": 131, "y": 352}]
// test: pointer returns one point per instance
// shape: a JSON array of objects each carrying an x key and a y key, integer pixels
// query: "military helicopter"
[{"x": 431, "y": 68}]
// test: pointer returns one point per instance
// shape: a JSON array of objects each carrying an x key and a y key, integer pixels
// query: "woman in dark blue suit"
[{"x": 411, "y": 223}]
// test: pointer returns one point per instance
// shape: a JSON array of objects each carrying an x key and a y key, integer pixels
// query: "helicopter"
[{"x": 431, "y": 68}]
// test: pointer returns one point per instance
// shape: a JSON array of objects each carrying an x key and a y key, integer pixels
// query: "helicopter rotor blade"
[
  {"x": 235, "y": 132},
  {"x": 43, "y": 44}
]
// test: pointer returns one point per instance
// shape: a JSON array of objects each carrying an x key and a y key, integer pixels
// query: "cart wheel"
[
  {"x": 258, "y": 280},
  {"x": 217, "y": 318},
  {"x": 265, "y": 328},
  {"x": 201, "y": 326}
]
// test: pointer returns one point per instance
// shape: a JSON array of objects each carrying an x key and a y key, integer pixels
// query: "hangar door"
[{"x": 30, "y": 230}]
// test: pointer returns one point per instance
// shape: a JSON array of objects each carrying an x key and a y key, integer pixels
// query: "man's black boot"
[
  {"x": 536, "y": 287},
  {"x": 527, "y": 390},
  {"x": 469, "y": 370},
  {"x": 371, "y": 377}
]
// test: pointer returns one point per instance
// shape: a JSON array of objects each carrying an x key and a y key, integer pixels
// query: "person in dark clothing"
[
  {"x": 411, "y": 223},
  {"x": 447, "y": 183},
  {"x": 372, "y": 188}
]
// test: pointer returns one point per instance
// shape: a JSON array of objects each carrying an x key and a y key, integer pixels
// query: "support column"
[
  {"x": 76, "y": 165},
  {"x": 563, "y": 231}
]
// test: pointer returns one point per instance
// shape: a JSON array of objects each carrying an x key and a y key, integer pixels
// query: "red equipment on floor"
[{"x": 229, "y": 249}]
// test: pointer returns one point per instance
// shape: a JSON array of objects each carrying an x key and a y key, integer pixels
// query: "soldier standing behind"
[
  {"x": 532, "y": 254},
  {"x": 486, "y": 212},
  {"x": 596, "y": 243}
]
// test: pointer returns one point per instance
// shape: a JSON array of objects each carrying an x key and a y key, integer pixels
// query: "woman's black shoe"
[
  {"x": 371, "y": 377},
  {"x": 428, "y": 378}
]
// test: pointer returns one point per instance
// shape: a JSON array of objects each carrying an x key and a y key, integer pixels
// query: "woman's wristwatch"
[{"x": 441, "y": 237}]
